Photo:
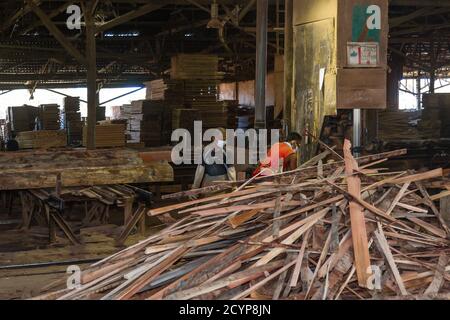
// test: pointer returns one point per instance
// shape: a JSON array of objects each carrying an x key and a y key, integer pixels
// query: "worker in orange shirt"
[{"x": 281, "y": 153}]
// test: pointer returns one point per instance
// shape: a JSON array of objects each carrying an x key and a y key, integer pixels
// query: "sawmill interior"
[{"x": 98, "y": 203}]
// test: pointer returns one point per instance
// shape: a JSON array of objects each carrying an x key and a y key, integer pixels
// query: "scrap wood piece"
[
  {"x": 312, "y": 220},
  {"x": 322, "y": 256},
  {"x": 150, "y": 275},
  {"x": 398, "y": 197},
  {"x": 226, "y": 201},
  {"x": 411, "y": 208},
  {"x": 263, "y": 282},
  {"x": 418, "y": 177},
  {"x": 299, "y": 260},
  {"x": 174, "y": 207},
  {"x": 428, "y": 227},
  {"x": 430, "y": 204},
  {"x": 239, "y": 208},
  {"x": 357, "y": 220},
  {"x": 438, "y": 279},
  {"x": 383, "y": 245},
  {"x": 231, "y": 281},
  {"x": 238, "y": 220}
]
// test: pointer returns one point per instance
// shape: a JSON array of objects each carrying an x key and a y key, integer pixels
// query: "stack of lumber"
[
  {"x": 184, "y": 119},
  {"x": 49, "y": 116},
  {"x": 71, "y": 119},
  {"x": 100, "y": 113},
  {"x": 39, "y": 169},
  {"x": 437, "y": 113},
  {"x": 195, "y": 66},
  {"x": 21, "y": 118},
  {"x": 116, "y": 112},
  {"x": 43, "y": 139},
  {"x": 398, "y": 125},
  {"x": 149, "y": 122},
  {"x": 318, "y": 232},
  {"x": 107, "y": 135}
]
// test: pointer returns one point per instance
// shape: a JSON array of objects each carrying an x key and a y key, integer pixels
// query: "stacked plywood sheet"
[
  {"x": 149, "y": 122},
  {"x": 107, "y": 135},
  {"x": 49, "y": 117},
  {"x": 328, "y": 236},
  {"x": 71, "y": 119},
  {"x": 43, "y": 139},
  {"x": 21, "y": 118},
  {"x": 195, "y": 66}
]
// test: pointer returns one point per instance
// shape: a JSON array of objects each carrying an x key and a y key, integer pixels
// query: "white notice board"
[{"x": 363, "y": 54}]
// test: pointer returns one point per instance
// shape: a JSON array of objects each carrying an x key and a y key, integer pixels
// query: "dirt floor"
[{"x": 27, "y": 260}]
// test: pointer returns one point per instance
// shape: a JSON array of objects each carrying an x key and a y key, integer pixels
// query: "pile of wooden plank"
[
  {"x": 100, "y": 113},
  {"x": 184, "y": 119},
  {"x": 49, "y": 117},
  {"x": 398, "y": 125},
  {"x": 195, "y": 66},
  {"x": 149, "y": 122},
  {"x": 341, "y": 230},
  {"x": 107, "y": 135},
  {"x": 43, "y": 139},
  {"x": 437, "y": 113},
  {"x": 164, "y": 89},
  {"x": 71, "y": 119},
  {"x": 21, "y": 118}
]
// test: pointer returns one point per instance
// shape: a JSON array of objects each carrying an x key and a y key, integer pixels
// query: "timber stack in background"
[{"x": 71, "y": 120}]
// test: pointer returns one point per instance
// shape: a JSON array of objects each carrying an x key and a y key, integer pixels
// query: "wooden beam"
[
  {"x": 129, "y": 16},
  {"x": 20, "y": 13},
  {"x": 56, "y": 32},
  {"x": 51, "y": 15}
]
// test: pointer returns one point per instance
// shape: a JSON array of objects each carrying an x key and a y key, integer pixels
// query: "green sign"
[{"x": 366, "y": 25}]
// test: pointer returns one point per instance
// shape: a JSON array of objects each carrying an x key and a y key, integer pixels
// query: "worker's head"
[
  {"x": 295, "y": 139},
  {"x": 223, "y": 132}
]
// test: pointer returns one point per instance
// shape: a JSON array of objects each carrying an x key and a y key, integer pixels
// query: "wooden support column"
[
  {"x": 91, "y": 52},
  {"x": 288, "y": 63},
  {"x": 261, "y": 63}
]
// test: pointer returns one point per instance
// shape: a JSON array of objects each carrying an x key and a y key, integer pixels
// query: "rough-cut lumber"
[{"x": 31, "y": 170}]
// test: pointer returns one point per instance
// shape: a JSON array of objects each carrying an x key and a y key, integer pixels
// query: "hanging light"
[{"x": 215, "y": 22}]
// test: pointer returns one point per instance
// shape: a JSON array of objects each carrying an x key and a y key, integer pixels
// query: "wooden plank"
[
  {"x": 438, "y": 279},
  {"x": 383, "y": 245},
  {"x": 358, "y": 224}
]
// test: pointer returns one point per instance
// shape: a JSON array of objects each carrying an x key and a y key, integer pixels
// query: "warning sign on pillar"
[{"x": 362, "y": 54}]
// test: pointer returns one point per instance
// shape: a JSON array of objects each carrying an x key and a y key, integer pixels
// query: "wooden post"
[
  {"x": 261, "y": 63},
  {"x": 288, "y": 63},
  {"x": 91, "y": 52},
  {"x": 128, "y": 210}
]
